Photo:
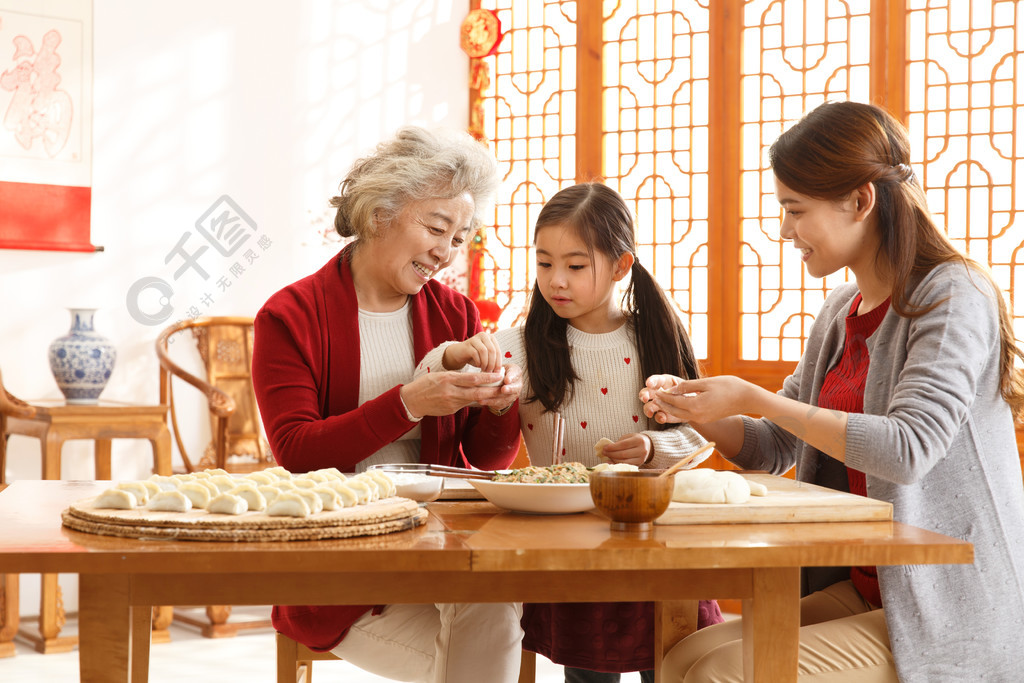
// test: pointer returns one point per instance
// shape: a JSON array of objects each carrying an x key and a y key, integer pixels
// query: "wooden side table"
[{"x": 53, "y": 422}]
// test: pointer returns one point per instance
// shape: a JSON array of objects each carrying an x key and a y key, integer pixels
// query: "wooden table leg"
[
  {"x": 162, "y": 452},
  {"x": 101, "y": 458},
  {"x": 141, "y": 630},
  {"x": 105, "y": 623},
  {"x": 673, "y": 621},
  {"x": 771, "y": 626},
  {"x": 52, "y": 442},
  {"x": 9, "y": 613}
]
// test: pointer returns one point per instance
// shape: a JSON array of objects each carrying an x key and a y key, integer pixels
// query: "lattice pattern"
[
  {"x": 965, "y": 107},
  {"x": 530, "y": 115},
  {"x": 796, "y": 55},
  {"x": 656, "y": 143}
]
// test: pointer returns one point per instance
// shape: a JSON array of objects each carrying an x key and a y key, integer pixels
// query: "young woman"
[
  {"x": 906, "y": 392},
  {"x": 333, "y": 364},
  {"x": 586, "y": 356}
]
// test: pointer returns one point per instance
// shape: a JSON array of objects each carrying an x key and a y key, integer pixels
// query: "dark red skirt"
[{"x": 615, "y": 637}]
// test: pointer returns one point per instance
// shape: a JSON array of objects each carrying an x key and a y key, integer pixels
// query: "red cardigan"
[{"x": 305, "y": 370}]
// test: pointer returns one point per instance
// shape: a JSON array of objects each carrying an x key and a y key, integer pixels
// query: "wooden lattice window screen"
[{"x": 675, "y": 104}]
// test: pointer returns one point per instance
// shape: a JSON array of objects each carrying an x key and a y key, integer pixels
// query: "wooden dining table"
[{"x": 468, "y": 551}]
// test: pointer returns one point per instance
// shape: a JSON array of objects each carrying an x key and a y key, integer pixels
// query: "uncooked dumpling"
[
  {"x": 227, "y": 504},
  {"x": 289, "y": 504},
  {"x": 348, "y": 496},
  {"x": 137, "y": 489},
  {"x": 170, "y": 501},
  {"x": 253, "y": 498},
  {"x": 702, "y": 485},
  {"x": 362, "y": 488},
  {"x": 599, "y": 448},
  {"x": 385, "y": 485},
  {"x": 115, "y": 499},
  {"x": 261, "y": 478},
  {"x": 197, "y": 493},
  {"x": 313, "y": 501},
  {"x": 330, "y": 498}
]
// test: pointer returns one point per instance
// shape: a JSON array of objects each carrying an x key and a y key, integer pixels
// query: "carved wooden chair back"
[{"x": 224, "y": 344}]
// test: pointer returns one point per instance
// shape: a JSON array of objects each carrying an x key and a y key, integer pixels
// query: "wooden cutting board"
[{"x": 787, "y": 501}]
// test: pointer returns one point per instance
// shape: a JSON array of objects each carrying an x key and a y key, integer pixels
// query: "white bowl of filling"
[
  {"x": 555, "y": 490},
  {"x": 423, "y": 488}
]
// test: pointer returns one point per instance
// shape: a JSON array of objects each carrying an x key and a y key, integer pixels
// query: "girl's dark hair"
[
  {"x": 601, "y": 219},
  {"x": 841, "y": 146}
]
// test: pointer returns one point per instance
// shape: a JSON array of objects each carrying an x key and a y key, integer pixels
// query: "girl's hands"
[
  {"x": 670, "y": 399},
  {"x": 444, "y": 393},
  {"x": 632, "y": 449},
  {"x": 481, "y": 351}
]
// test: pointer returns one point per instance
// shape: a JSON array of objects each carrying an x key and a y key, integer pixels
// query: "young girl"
[
  {"x": 586, "y": 358},
  {"x": 906, "y": 392}
]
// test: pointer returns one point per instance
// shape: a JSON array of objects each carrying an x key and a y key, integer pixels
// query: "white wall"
[{"x": 267, "y": 102}]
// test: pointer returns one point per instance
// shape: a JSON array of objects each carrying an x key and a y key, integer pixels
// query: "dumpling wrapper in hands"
[
  {"x": 170, "y": 501},
  {"x": 702, "y": 485},
  {"x": 599, "y": 448},
  {"x": 115, "y": 499}
]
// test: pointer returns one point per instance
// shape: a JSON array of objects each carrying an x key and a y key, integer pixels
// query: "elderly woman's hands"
[{"x": 443, "y": 393}]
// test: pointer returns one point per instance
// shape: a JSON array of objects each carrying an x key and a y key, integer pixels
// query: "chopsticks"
[
  {"x": 436, "y": 470},
  {"x": 687, "y": 459},
  {"x": 558, "y": 437}
]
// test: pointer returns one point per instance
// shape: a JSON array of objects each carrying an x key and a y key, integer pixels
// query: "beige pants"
[
  {"x": 443, "y": 643},
  {"x": 842, "y": 639}
]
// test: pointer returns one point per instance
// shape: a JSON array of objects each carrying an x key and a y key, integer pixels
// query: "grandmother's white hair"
[{"x": 416, "y": 164}]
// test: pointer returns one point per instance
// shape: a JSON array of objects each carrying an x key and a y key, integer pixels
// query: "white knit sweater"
[{"x": 604, "y": 403}]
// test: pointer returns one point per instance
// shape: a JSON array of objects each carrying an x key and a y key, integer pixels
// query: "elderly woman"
[{"x": 333, "y": 364}]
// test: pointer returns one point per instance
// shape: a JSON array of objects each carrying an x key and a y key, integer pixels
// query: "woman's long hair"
[
  {"x": 602, "y": 221},
  {"x": 841, "y": 146}
]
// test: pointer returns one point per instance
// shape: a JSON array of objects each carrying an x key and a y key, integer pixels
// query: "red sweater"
[
  {"x": 843, "y": 389},
  {"x": 305, "y": 371}
]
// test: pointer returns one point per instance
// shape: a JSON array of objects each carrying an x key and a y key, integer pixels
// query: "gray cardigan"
[{"x": 936, "y": 439}]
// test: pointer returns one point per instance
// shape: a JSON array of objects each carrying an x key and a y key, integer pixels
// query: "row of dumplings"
[{"x": 274, "y": 491}]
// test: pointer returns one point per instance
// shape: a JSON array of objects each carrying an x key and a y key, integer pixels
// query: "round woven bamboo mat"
[{"x": 380, "y": 517}]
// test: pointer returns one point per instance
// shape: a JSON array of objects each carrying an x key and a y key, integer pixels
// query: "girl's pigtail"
[{"x": 664, "y": 345}]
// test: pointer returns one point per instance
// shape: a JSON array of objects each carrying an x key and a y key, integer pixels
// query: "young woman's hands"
[
  {"x": 670, "y": 399},
  {"x": 631, "y": 449},
  {"x": 481, "y": 351}
]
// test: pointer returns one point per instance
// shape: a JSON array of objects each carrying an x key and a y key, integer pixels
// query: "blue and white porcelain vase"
[{"x": 82, "y": 359}]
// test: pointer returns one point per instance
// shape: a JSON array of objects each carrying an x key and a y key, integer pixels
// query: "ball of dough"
[{"x": 702, "y": 485}]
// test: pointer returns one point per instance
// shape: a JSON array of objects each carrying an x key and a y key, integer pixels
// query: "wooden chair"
[
  {"x": 673, "y": 621},
  {"x": 52, "y": 422},
  {"x": 224, "y": 345}
]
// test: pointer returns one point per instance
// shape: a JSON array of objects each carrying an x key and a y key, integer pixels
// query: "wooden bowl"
[{"x": 631, "y": 500}]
